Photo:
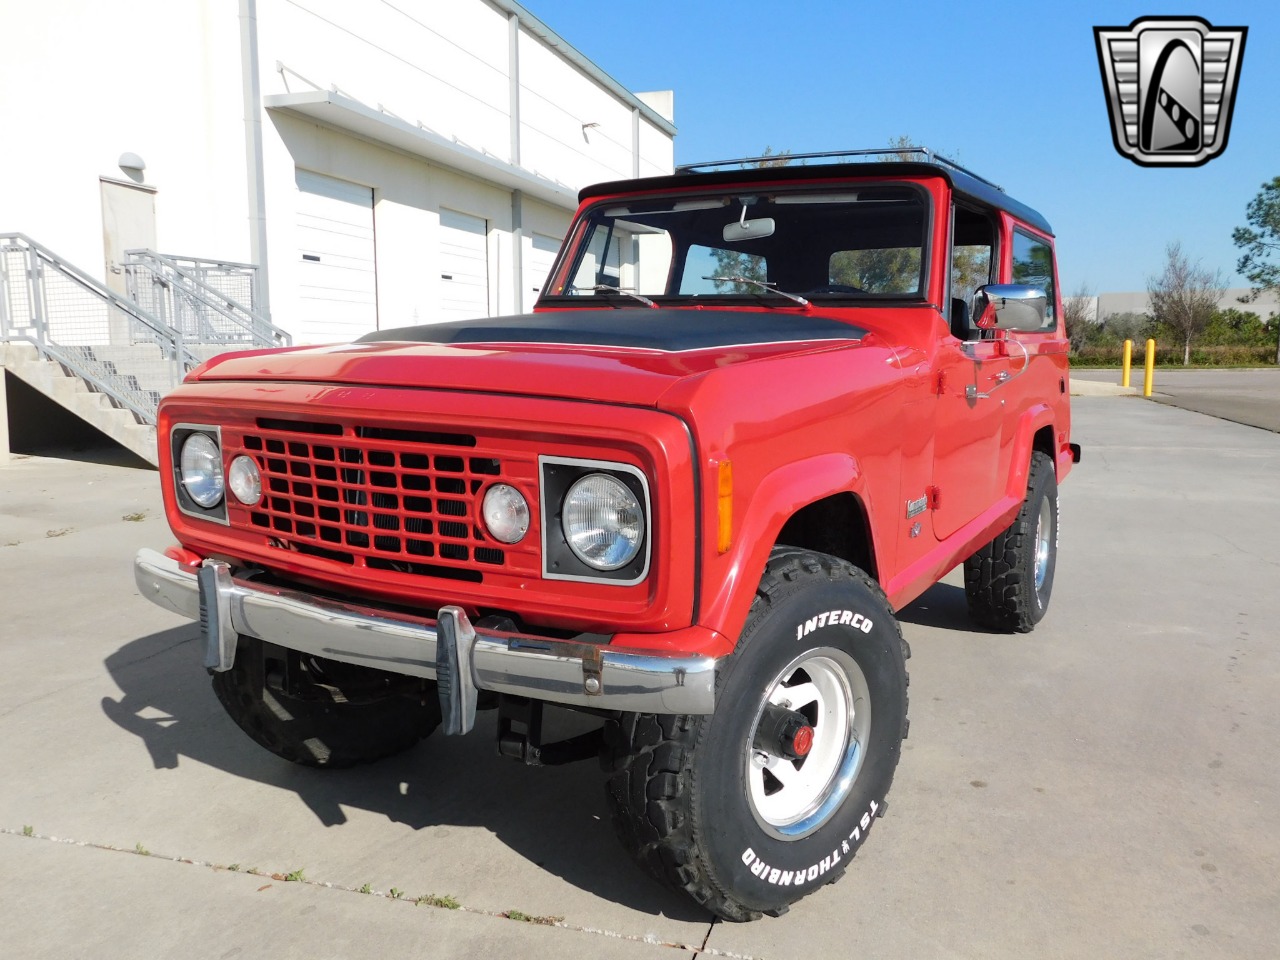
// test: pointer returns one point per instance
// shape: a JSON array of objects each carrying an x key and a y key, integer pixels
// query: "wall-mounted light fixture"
[{"x": 134, "y": 166}]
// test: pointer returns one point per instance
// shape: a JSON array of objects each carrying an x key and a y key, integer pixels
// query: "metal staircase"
[
  {"x": 207, "y": 301},
  {"x": 109, "y": 358}
]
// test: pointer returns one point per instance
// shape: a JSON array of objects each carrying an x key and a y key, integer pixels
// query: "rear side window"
[{"x": 1033, "y": 265}]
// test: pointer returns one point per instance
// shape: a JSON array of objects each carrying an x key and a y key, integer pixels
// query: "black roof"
[{"x": 962, "y": 183}]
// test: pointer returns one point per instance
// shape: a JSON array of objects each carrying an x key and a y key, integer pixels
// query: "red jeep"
[{"x": 757, "y": 409}]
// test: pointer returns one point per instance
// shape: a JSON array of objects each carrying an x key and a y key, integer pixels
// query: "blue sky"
[{"x": 1011, "y": 90}]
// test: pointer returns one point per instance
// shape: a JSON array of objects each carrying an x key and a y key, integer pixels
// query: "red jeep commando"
[{"x": 755, "y": 411}]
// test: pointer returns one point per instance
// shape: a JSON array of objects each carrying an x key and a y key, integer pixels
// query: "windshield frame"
[{"x": 577, "y": 245}]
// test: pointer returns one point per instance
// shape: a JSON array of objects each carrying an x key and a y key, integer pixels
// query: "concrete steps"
[{"x": 74, "y": 395}]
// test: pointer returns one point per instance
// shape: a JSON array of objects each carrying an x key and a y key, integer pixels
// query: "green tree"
[
  {"x": 1260, "y": 241},
  {"x": 1240, "y": 328},
  {"x": 1078, "y": 313},
  {"x": 1184, "y": 297},
  {"x": 1127, "y": 325}
]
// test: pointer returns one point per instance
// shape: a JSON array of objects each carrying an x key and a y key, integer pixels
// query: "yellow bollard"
[
  {"x": 1128, "y": 363},
  {"x": 1151, "y": 368}
]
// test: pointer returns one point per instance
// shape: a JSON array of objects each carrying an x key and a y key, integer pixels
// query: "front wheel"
[
  {"x": 321, "y": 713},
  {"x": 757, "y": 805}
]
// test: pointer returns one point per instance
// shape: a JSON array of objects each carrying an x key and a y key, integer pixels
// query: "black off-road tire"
[
  {"x": 1009, "y": 581},
  {"x": 685, "y": 790},
  {"x": 321, "y": 728}
]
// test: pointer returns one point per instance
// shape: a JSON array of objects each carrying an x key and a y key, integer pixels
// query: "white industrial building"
[
  {"x": 386, "y": 162},
  {"x": 351, "y": 166},
  {"x": 1139, "y": 301}
]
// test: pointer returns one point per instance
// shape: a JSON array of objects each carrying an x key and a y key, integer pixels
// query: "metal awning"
[{"x": 349, "y": 116}]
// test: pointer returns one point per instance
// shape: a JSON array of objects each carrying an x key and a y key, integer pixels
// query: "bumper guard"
[{"x": 574, "y": 672}]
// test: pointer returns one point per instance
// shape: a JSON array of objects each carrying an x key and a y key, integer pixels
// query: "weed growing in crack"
[
  {"x": 523, "y": 917},
  {"x": 431, "y": 900}
]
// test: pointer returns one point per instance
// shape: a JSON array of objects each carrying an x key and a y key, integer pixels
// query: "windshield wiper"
[
  {"x": 626, "y": 293},
  {"x": 771, "y": 287}
]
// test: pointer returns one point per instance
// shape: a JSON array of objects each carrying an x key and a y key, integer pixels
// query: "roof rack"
[{"x": 781, "y": 159}]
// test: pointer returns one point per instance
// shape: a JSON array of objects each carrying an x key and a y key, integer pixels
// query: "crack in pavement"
[{"x": 296, "y": 877}]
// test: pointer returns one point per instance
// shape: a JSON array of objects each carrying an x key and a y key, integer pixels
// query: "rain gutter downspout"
[
  {"x": 517, "y": 196},
  {"x": 252, "y": 90}
]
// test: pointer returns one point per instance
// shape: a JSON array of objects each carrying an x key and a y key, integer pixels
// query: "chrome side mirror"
[{"x": 1011, "y": 306}]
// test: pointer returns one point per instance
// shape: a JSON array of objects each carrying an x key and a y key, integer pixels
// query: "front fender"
[{"x": 759, "y": 515}]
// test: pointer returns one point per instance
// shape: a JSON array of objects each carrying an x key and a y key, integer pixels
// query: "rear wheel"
[
  {"x": 1009, "y": 581},
  {"x": 757, "y": 805},
  {"x": 322, "y": 713}
]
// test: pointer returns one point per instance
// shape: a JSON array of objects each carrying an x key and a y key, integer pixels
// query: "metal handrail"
[
  {"x": 192, "y": 303},
  {"x": 74, "y": 320}
]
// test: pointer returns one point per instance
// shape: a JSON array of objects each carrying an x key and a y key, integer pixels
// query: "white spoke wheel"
[
  {"x": 1046, "y": 528},
  {"x": 767, "y": 799},
  {"x": 792, "y": 797}
]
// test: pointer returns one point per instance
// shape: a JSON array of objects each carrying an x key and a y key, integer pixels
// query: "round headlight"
[
  {"x": 245, "y": 480},
  {"x": 200, "y": 465},
  {"x": 603, "y": 522},
  {"x": 506, "y": 513}
]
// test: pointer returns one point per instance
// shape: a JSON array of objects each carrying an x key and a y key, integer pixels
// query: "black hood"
[{"x": 662, "y": 329}]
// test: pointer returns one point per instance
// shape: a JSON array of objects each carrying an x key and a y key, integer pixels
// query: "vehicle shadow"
[
  {"x": 556, "y": 818},
  {"x": 942, "y": 606}
]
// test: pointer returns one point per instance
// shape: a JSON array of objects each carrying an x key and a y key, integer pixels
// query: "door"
[
  {"x": 969, "y": 432},
  {"x": 464, "y": 266},
  {"x": 971, "y": 413},
  {"x": 128, "y": 223},
  {"x": 337, "y": 270}
]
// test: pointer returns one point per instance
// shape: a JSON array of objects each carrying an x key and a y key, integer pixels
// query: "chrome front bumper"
[{"x": 568, "y": 672}]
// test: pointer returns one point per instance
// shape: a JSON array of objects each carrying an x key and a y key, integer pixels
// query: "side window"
[
  {"x": 1033, "y": 264},
  {"x": 972, "y": 251},
  {"x": 970, "y": 269}
]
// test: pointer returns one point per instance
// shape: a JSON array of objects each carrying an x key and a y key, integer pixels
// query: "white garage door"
[
  {"x": 464, "y": 266},
  {"x": 338, "y": 283},
  {"x": 537, "y": 265}
]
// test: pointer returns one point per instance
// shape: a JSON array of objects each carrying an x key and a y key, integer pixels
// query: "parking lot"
[
  {"x": 1103, "y": 787},
  {"x": 1242, "y": 396}
]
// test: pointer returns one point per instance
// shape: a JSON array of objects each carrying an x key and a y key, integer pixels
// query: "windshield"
[{"x": 865, "y": 243}]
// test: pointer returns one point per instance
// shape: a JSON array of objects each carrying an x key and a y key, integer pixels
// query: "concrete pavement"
[
  {"x": 1104, "y": 787},
  {"x": 1251, "y": 397}
]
